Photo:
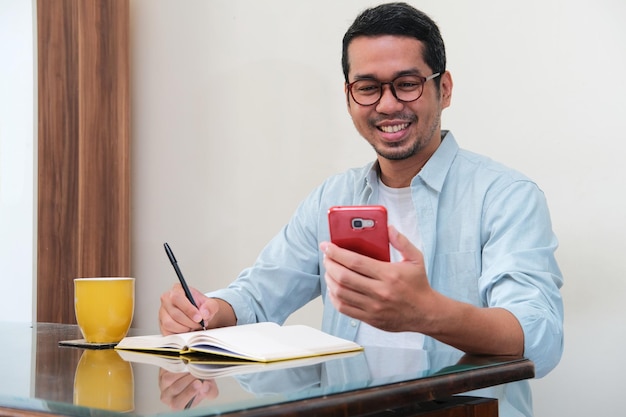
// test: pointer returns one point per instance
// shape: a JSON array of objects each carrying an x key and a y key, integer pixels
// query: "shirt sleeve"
[{"x": 519, "y": 269}]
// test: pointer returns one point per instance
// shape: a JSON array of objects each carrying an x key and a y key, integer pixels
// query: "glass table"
[{"x": 40, "y": 377}]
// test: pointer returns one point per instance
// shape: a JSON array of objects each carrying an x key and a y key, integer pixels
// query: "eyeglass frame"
[{"x": 392, "y": 88}]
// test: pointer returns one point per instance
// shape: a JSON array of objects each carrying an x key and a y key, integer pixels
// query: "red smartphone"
[{"x": 361, "y": 229}]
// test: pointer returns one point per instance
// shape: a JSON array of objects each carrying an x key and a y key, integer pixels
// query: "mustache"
[{"x": 408, "y": 118}]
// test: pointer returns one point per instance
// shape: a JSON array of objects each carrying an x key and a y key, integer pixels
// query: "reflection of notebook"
[
  {"x": 205, "y": 367},
  {"x": 82, "y": 343}
]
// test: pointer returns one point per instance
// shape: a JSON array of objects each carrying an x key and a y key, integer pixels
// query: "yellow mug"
[
  {"x": 104, "y": 308},
  {"x": 104, "y": 380}
]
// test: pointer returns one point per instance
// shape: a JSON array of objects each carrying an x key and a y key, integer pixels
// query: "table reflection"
[
  {"x": 104, "y": 380},
  {"x": 374, "y": 366}
]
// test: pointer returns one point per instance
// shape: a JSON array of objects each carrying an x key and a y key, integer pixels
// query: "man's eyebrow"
[
  {"x": 364, "y": 77},
  {"x": 412, "y": 71}
]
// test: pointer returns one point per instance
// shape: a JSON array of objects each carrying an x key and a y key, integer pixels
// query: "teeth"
[{"x": 393, "y": 129}]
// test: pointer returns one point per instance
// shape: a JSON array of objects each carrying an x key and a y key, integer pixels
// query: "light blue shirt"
[{"x": 487, "y": 239}]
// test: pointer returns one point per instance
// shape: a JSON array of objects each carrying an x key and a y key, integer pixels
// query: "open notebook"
[{"x": 258, "y": 342}]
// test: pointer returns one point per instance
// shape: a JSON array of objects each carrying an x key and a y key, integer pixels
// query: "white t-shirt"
[{"x": 401, "y": 215}]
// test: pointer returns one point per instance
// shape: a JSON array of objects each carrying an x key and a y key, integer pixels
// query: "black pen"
[{"x": 170, "y": 255}]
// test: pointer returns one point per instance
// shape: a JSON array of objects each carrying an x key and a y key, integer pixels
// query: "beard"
[
  {"x": 400, "y": 151},
  {"x": 406, "y": 149}
]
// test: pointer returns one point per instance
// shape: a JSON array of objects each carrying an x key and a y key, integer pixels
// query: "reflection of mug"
[
  {"x": 104, "y": 380},
  {"x": 104, "y": 308}
]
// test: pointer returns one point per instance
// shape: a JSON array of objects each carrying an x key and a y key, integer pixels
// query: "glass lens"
[
  {"x": 408, "y": 88},
  {"x": 366, "y": 92}
]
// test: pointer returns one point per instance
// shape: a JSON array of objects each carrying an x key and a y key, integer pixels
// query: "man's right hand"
[{"x": 178, "y": 315}]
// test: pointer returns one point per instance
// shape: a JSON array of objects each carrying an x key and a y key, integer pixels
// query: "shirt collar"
[{"x": 436, "y": 169}]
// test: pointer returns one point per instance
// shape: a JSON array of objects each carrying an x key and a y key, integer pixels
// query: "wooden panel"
[
  {"x": 84, "y": 144},
  {"x": 57, "y": 157},
  {"x": 103, "y": 132}
]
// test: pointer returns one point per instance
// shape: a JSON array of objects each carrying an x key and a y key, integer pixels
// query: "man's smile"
[{"x": 393, "y": 128}]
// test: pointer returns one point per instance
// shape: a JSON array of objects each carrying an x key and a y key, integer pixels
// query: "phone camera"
[{"x": 357, "y": 223}]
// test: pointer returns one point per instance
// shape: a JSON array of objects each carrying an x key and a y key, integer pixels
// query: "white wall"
[{"x": 17, "y": 159}]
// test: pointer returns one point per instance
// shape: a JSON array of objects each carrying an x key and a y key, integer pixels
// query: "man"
[{"x": 473, "y": 251}]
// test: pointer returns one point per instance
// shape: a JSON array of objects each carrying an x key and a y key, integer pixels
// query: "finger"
[
  {"x": 339, "y": 279},
  {"x": 169, "y": 326},
  {"x": 179, "y": 300},
  {"x": 167, "y": 378},
  {"x": 204, "y": 389},
  {"x": 205, "y": 306},
  {"x": 198, "y": 297},
  {"x": 353, "y": 261},
  {"x": 190, "y": 396},
  {"x": 344, "y": 298},
  {"x": 193, "y": 394},
  {"x": 209, "y": 389},
  {"x": 180, "y": 392},
  {"x": 208, "y": 310},
  {"x": 172, "y": 384},
  {"x": 350, "y": 292}
]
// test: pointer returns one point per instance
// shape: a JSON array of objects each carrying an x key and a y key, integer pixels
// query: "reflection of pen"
[
  {"x": 188, "y": 405},
  {"x": 170, "y": 255}
]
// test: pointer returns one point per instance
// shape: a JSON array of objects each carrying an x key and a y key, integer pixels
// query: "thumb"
[{"x": 408, "y": 251}]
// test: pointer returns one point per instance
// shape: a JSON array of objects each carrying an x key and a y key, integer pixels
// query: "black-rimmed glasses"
[{"x": 405, "y": 88}]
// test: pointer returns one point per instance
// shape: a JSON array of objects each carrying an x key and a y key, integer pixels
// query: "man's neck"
[{"x": 396, "y": 174}]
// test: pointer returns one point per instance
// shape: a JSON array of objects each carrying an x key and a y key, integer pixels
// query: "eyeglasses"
[{"x": 405, "y": 88}]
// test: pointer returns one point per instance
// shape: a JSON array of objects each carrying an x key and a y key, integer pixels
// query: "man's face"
[{"x": 397, "y": 130}]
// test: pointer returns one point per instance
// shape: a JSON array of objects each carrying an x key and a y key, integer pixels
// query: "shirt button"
[{"x": 353, "y": 323}]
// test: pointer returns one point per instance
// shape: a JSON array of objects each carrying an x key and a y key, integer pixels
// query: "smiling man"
[{"x": 473, "y": 261}]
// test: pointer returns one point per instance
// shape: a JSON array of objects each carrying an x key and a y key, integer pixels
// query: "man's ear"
[{"x": 445, "y": 89}]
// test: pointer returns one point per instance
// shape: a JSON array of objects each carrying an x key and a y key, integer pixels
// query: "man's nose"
[{"x": 388, "y": 102}]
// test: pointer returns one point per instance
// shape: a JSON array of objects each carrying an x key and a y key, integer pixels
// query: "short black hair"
[{"x": 398, "y": 19}]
